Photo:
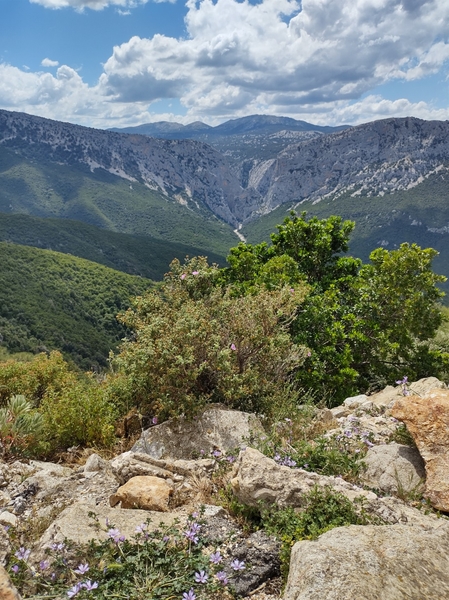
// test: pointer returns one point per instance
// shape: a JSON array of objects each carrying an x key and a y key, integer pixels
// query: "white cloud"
[
  {"x": 47, "y": 62},
  {"x": 311, "y": 59},
  {"x": 92, "y": 4}
]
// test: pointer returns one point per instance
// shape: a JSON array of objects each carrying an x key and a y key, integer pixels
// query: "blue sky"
[{"x": 106, "y": 63}]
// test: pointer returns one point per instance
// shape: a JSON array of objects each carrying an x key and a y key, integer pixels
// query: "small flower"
[
  {"x": 201, "y": 577},
  {"x": 222, "y": 577},
  {"x": 292, "y": 290},
  {"x": 190, "y": 595},
  {"x": 216, "y": 453},
  {"x": 233, "y": 347},
  {"x": 115, "y": 535},
  {"x": 183, "y": 276},
  {"x": 15, "y": 569},
  {"x": 166, "y": 538},
  {"x": 89, "y": 585},
  {"x": 216, "y": 557},
  {"x": 195, "y": 272},
  {"x": 74, "y": 590},
  {"x": 141, "y": 528},
  {"x": 58, "y": 547},
  {"x": 230, "y": 459},
  {"x": 82, "y": 569},
  {"x": 309, "y": 354},
  {"x": 190, "y": 535},
  {"x": 22, "y": 554},
  {"x": 237, "y": 565},
  {"x": 43, "y": 565},
  {"x": 154, "y": 420}
]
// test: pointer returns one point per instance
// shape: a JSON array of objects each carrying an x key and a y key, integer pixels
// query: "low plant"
[
  {"x": 166, "y": 563},
  {"x": 20, "y": 427},
  {"x": 323, "y": 509}
]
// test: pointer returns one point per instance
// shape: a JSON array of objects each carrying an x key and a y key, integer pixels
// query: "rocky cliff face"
[
  {"x": 187, "y": 171},
  {"x": 371, "y": 159}
]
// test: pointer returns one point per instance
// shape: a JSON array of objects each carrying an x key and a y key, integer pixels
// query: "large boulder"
[
  {"x": 257, "y": 478},
  {"x": 366, "y": 562},
  {"x": 427, "y": 419},
  {"x": 394, "y": 468},
  {"x": 216, "y": 429}
]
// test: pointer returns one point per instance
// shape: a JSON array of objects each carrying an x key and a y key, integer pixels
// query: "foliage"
[
  {"x": 52, "y": 301},
  {"x": 294, "y": 443},
  {"x": 80, "y": 414},
  {"x": 162, "y": 563},
  {"x": 361, "y": 323},
  {"x": 20, "y": 427},
  {"x": 196, "y": 343},
  {"x": 323, "y": 509},
  {"x": 35, "y": 378},
  {"x": 134, "y": 254}
]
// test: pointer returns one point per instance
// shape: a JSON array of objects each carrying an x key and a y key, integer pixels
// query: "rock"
[
  {"x": 427, "y": 420},
  {"x": 216, "y": 428},
  {"x": 145, "y": 492},
  {"x": 355, "y": 401},
  {"x": 95, "y": 463},
  {"x": 7, "y": 518},
  {"x": 75, "y": 524},
  {"x": 5, "y": 546},
  {"x": 50, "y": 469},
  {"x": 367, "y": 562},
  {"x": 257, "y": 478},
  {"x": 131, "y": 464},
  {"x": 394, "y": 468},
  {"x": 260, "y": 554},
  {"x": 7, "y": 590}
]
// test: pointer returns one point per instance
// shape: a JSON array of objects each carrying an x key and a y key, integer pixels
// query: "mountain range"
[{"x": 386, "y": 174}]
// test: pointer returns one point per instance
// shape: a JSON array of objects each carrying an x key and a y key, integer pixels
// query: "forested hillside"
[{"x": 49, "y": 300}]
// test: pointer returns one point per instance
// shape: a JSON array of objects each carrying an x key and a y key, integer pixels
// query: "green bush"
[
  {"x": 196, "y": 343},
  {"x": 81, "y": 414},
  {"x": 20, "y": 427}
]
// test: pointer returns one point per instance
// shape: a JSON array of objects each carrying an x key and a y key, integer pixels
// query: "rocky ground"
[{"x": 175, "y": 467}]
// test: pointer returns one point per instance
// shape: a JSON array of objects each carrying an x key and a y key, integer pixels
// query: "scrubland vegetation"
[{"x": 297, "y": 317}]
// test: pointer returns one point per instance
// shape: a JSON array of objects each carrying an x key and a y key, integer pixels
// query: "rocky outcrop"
[
  {"x": 367, "y": 562},
  {"x": 217, "y": 430},
  {"x": 394, "y": 468},
  {"x": 427, "y": 419}
]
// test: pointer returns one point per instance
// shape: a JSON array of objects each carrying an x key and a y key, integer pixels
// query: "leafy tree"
[{"x": 362, "y": 323}]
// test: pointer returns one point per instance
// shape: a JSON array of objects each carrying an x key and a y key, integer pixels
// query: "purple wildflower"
[
  {"x": 183, "y": 276},
  {"x": 43, "y": 565},
  {"x": 89, "y": 585},
  {"x": 141, "y": 528},
  {"x": 58, "y": 547},
  {"x": 74, "y": 590},
  {"x": 22, "y": 554},
  {"x": 15, "y": 569},
  {"x": 233, "y": 347},
  {"x": 216, "y": 557},
  {"x": 190, "y": 595},
  {"x": 115, "y": 535},
  {"x": 201, "y": 577},
  {"x": 82, "y": 569},
  {"x": 222, "y": 577},
  {"x": 237, "y": 565},
  {"x": 195, "y": 272},
  {"x": 216, "y": 453}
]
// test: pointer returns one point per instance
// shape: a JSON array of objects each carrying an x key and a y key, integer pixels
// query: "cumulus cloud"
[
  {"x": 312, "y": 59},
  {"x": 47, "y": 62}
]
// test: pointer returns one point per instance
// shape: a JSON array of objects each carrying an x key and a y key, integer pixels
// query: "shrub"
[
  {"x": 195, "y": 343},
  {"x": 20, "y": 426}
]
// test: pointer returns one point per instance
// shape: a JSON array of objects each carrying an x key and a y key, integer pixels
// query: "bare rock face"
[
  {"x": 394, "y": 468},
  {"x": 427, "y": 419},
  {"x": 258, "y": 478},
  {"x": 216, "y": 428},
  {"x": 367, "y": 562},
  {"x": 7, "y": 590},
  {"x": 145, "y": 492}
]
